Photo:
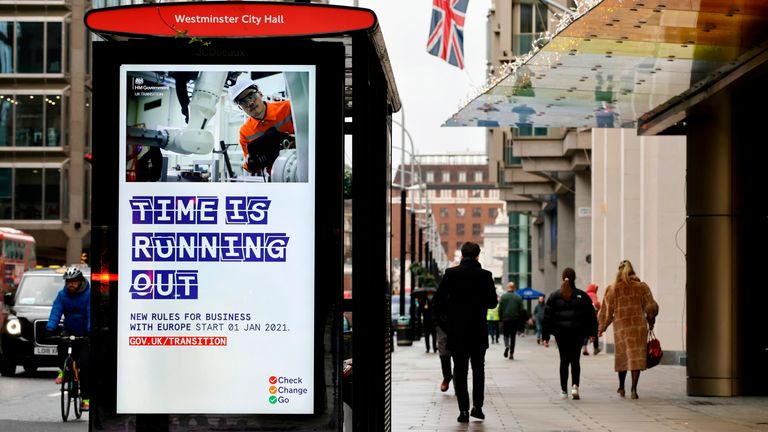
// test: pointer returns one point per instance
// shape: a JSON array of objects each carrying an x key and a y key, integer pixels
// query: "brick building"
[{"x": 458, "y": 193}]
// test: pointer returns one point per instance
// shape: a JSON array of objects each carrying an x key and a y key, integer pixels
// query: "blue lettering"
[
  {"x": 209, "y": 247},
  {"x": 164, "y": 284},
  {"x": 141, "y": 210},
  {"x": 167, "y": 210},
  {"x": 247, "y": 210}
]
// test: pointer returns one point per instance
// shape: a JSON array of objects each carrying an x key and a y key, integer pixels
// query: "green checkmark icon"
[{"x": 273, "y": 399}]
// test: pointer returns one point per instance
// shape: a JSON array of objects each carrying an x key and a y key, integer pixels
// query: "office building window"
[
  {"x": 444, "y": 228},
  {"x": 31, "y": 47},
  {"x": 459, "y": 229},
  {"x": 478, "y": 176},
  {"x": 477, "y": 194},
  {"x": 443, "y": 212},
  {"x": 533, "y": 22},
  {"x": 445, "y": 193},
  {"x": 53, "y": 121},
  {"x": 461, "y": 193},
  {"x": 476, "y": 229},
  {"x": 52, "y": 194},
  {"x": 460, "y": 212},
  {"x": 6, "y": 122},
  {"x": 446, "y": 177},
  {"x": 430, "y": 177},
  {"x": 493, "y": 212},
  {"x": 53, "y": 48},
  {"x": 30, "y": 120},
  {"x": 30, "y": 193},
  {"x": 477, "y": 212},
  {"x": 6, "y": 193},
  {"x": 462, "y": 176}
]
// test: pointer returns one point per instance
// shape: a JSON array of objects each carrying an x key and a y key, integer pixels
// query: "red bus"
[{"x": 17, "y": 254}]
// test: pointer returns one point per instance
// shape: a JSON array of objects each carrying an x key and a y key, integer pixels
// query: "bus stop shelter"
[{"x": 191, "y": 255}]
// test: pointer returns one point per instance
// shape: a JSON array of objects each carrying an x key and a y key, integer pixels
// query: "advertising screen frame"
[{"x": 327, "y": 61}]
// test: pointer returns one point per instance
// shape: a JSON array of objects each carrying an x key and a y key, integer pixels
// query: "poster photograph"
[{"x": 216, "y": 292}]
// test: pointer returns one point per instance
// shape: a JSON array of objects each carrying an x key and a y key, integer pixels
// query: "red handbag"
[{"x": 654, "y": 351}]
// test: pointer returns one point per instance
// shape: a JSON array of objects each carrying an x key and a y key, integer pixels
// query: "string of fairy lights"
[
  {"x": 505, "y": 70},
  {"x": 14, "y": 100}
]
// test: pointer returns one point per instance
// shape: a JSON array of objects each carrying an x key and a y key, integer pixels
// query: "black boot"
[
  {"x": 477, "y": 412},
  {"x": 463, "y": 417}
]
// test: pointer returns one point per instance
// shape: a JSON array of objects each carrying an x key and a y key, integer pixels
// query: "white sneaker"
[
  {"x": 563, "y": 394},
  {"x": 575, "y": 392}
]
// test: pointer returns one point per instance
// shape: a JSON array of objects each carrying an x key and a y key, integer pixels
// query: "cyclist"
[{"x": 74, "y": 302}]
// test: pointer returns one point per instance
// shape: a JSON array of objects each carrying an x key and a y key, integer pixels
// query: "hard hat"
[{"x": 239, "y": 87}]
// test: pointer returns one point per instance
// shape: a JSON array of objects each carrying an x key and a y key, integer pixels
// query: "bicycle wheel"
[
  {"x": 65, "y": 399},
  {"x": 77, "y": 398}
]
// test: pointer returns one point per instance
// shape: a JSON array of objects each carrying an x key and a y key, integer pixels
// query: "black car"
[{"x": 23, "y": 338}]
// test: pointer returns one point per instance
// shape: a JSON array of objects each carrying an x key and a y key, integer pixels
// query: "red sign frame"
[{"x": 229, "y": 19}]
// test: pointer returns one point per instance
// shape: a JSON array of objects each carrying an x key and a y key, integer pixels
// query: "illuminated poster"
[{"x": 217, "y": 239}]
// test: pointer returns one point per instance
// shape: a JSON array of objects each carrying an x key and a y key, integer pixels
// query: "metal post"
[
  {"x": 421, "y": 244},
  {"x": 413, "y": 248},
  {"x": 402, "y": 245}
]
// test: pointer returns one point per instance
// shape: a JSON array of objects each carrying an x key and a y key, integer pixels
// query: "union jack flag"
[{"x": 446, "y": 34}]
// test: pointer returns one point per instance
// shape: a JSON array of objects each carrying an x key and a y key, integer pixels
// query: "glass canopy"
[{"x": 620, "y": 59}]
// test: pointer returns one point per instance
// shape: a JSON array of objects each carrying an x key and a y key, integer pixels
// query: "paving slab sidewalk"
[{"x": 523, "y": 395}]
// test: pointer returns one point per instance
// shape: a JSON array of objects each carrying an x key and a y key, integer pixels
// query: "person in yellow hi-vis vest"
[{"x": 493, "y": 324}]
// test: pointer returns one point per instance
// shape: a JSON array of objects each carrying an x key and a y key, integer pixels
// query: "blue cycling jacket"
[{"x": 76, "y": 309}]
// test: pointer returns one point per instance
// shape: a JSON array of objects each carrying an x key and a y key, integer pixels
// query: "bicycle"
[{"x": 70, "y": 382}]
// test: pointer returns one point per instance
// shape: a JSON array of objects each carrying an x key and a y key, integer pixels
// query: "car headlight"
[{"x": 13, "y": 327}]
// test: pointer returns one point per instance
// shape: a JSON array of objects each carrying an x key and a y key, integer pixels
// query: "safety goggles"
[{"x": 249, "y": 96}]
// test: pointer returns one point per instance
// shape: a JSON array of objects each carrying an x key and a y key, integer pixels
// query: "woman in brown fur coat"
[{"x": 628, "y": 305}]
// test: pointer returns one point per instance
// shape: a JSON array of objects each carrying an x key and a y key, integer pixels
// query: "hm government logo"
[{"x": 141, "y": 88}]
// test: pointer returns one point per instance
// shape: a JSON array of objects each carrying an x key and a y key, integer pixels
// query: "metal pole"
[
  {"x": 402, "y": 246},
  {"x": 421, "y": 244},
  {"x": 413, "y": 247}
]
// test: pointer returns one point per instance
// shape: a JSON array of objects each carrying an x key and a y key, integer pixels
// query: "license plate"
[{"x": 46, "y": 350}]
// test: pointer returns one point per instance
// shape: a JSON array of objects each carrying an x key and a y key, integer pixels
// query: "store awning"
[{"x": 615, "y": 61}]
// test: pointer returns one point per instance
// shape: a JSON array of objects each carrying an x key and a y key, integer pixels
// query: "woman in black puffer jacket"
[{"x": 570, "y": 317}]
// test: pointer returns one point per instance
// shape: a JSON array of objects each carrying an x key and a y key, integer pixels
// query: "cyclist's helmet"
[{"x": 73, "y": 272}]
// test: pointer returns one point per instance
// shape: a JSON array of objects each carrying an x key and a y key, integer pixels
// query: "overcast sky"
[{"x": 431, "y": 89}]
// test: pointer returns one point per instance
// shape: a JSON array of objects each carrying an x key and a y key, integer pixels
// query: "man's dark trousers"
[
  {"x": 461, "y": 361},
  {"x": 509, "y": 328}
]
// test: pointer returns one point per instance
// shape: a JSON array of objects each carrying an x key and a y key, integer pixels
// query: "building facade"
[
  {"x": 453, "y": 199},
  {"x": 590, "y": 197},
  {"x": 44, "y": 122}
]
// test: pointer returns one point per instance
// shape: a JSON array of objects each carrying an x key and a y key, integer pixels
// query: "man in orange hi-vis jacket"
[{"x": 268, "y": 125}]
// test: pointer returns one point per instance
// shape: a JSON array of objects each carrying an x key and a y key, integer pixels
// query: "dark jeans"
[
  {"x": 81, "y": 352},
  {"x": 445, "y": 366},
  {"x": 461, "y": 361},
  {"x": 429, "y": 330},
  {"x": 493, "y": 331},
  {"x": 595, "y": 343},
  {"x": 510, "y": 334},
  {"x": 569, "y": 347}
]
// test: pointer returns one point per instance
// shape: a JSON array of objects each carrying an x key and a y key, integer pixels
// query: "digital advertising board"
[{"x": 217, "y": 188}]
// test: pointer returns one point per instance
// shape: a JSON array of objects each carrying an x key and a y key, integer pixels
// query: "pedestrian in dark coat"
[
  {"x": 464, "y": 296},
  {"x": 570, "y": 317}
]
